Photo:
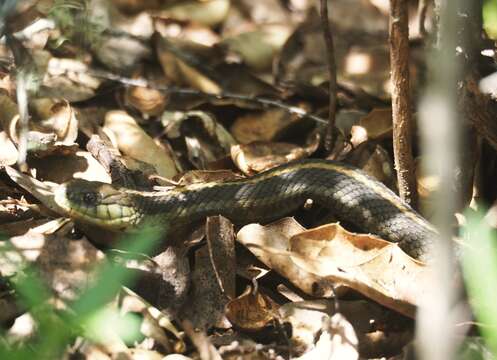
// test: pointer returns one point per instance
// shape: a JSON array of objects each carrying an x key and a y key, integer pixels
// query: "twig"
[
  {"x": 401, "y": 110},
  {"x": 253, "y": 100},
  {"x": 422, "y": 10},
  {"x": 332, "y": 69},
  {"x": 25, "y": 75}
]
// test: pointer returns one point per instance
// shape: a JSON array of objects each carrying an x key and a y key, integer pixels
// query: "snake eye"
[{"x": 90, "y": 198}]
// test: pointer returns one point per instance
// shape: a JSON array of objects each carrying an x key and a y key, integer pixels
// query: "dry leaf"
[
  {"x": 270, "y": 245},
  {"x": 375, "y": 161},
  {"x": 205, "y": 138},
  {"x": 208, "y": 13},
  {"x": 261, "y": 126},
  {"x": 256, "y": 157},
  {"x": 213, "y": 280},
  {"x": 330, "y": 254},
  {"x": 148, "y": 101},
  {"x": 375, "y": 126},
  {"x": 257, "y": 48},
  {"x": 380, "y": 332},
  {"x": 134, "y": 142},
  {"x": 251, "y": 311},
  {"x": 204, "y": 68},
  {"x": 62, "y": 121},
  {"x": 42, "y": 191},
  {"x": 64, "y": 167},
  {"x": 374, "y": 267}
]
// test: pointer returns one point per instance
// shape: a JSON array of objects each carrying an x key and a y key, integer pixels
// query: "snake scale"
[{"x": 352, "y": 196}]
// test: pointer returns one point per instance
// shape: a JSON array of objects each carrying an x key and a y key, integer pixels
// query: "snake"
[{"x": 353, "y": 197}]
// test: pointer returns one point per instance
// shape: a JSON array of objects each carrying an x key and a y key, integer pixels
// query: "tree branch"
[{"x": 401, "y": 111}]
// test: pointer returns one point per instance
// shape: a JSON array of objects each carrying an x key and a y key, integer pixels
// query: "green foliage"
[
  {"x": 74, "y": 19},
  {"x": 479, "y": 263},
  {"x": 490, "y": 17},
  {"x": 88, "y": 316}
]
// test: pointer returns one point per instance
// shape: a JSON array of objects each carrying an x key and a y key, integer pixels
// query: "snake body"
[{"x": 352, "y": 195}]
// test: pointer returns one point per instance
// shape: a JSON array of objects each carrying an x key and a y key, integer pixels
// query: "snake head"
[{"x": 97, "y": 203}]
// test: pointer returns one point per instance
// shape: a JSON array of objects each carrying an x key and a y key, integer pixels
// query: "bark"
[{"x": 401, "y": 108}]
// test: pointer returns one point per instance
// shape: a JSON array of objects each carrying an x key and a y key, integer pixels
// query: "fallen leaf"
[
  {"x": 256, "y": 157},
  {"x": 374, "y": 267},
  {"x": 136, "y": 143},
  {"x": 208, "y": 13},
  {"x": 331, "y": 255},
  {"x": 251, "y": 311},
  {"x": 270, "y": 245},
  {"x": 261, "y": 125},
  {"x": 375, "y": 126},
  {"x": 213, "y": 280},
  {"x": 258, "y": 47}
]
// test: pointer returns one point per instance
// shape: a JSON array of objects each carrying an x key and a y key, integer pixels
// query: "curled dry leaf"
[
  {"x": 136, "y": 143},
  {"x": 306, "y": 319},
  {"x": 206, "y": 140},
  {"x": 148, "y": 101},
  {"x": 251, "y": 311},
  {"x": 55, "y": 134},
  {"x": 257, "y": 157},
  {"x": 376, "y": 268},
  {"x": 270, "y": 245},
  {"x": 58, "y": 118},
  {"x": 172, "y": 121}
]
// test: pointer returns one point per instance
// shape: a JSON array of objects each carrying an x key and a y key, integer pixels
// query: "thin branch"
[
  {"x": 332, "y": 69},
  {"x": 401, "y": 107},
  {"x": 247, "y": 99}
]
